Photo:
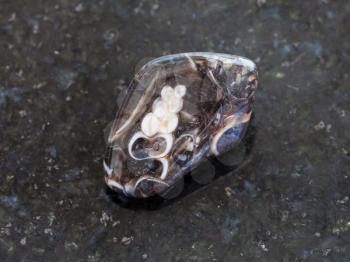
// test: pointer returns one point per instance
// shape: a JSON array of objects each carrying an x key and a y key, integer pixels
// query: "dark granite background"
[{"x": 62, "y": 66}]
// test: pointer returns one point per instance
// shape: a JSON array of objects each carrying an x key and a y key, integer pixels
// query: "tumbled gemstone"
[{"x": 178, "y": 110}]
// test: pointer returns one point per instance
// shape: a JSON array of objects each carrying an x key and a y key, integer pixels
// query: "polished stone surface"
[
  {"x": 63, "y": 64},
  {"x": 178, "y": 111}
]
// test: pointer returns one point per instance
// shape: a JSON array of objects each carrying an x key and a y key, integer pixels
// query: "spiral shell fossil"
[{"x": 177, "y": 110}]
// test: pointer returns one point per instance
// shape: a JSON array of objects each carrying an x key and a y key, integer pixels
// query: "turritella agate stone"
[{"x": 177, "y": 110}]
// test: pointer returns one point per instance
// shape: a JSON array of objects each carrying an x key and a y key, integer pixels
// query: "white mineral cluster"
[{"x": 164, "y": 116}]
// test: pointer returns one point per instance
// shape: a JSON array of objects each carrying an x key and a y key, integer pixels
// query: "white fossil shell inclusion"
[
  {"x": 191, "y": 105},
  {"x": 164, "y": 118},
  {"x": 168, "y": 140},
  {"x": 150, "y": 124},
  {"x": 175, "y": 105},
  {"x": 180, "y": 90},
  {"x": 160, "y": 108},
  {"x": 169, "y": 123},
  {"x": 160, "y": 123}
]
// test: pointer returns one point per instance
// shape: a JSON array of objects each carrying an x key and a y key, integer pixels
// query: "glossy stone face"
[{"x": 177, "y": 110}]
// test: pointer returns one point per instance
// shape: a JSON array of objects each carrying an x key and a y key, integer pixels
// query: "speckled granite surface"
[{"x": 62, "y": 66}]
